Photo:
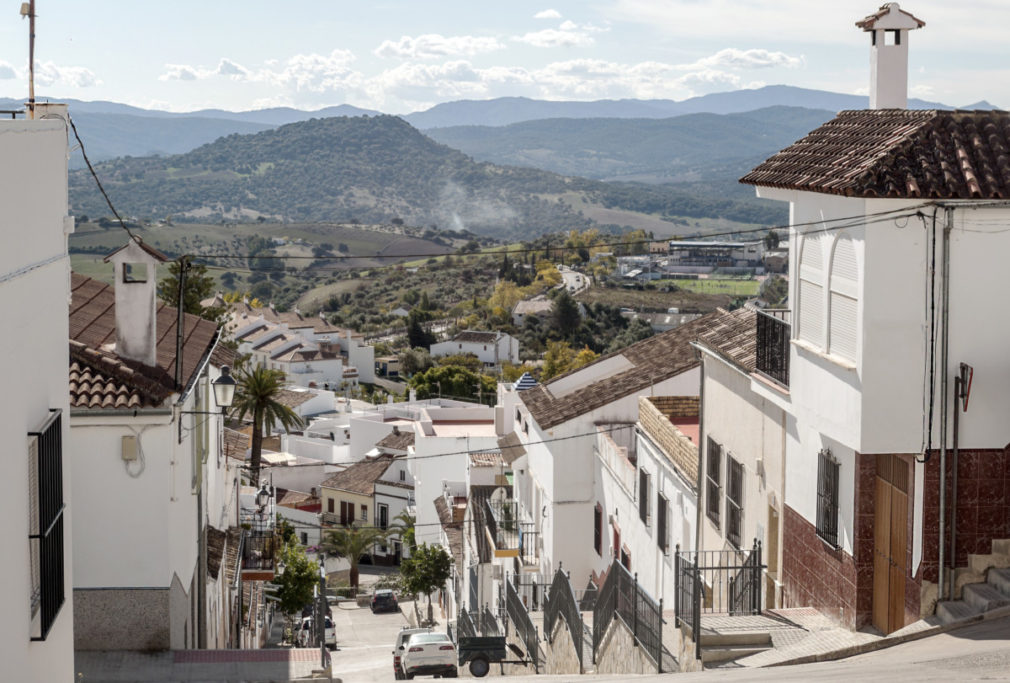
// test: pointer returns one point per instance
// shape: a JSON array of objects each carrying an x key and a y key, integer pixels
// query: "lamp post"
[{"x": 321, "y": 610}]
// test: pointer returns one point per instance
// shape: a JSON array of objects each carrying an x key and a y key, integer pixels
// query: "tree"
[
  {"x": 197, "y": 286},
  {"x": 505, "y": 296},
  {"x": 452, "y": 380},
  {"x": 257, "y": 395},
  {"x": 295, "y": 583},
  {"x": 413, "y": 361},
  {"x": 426, "y": 570},
  {"x": 470, "y": 361},
  {"x": 352, "y": 542},
  {"x": 417, "y": 336},
  {"x": 566, "y": 314},
  {"x": 772, "y": 240},
  {"x": 557, "y": 359},
  {"x": 403, "y": 526}
]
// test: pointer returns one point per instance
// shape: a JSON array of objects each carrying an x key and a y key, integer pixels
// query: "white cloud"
[
  {"x": 180, "y": 72},
  {"x": 568, "y": 35},
  {"x": 548, "y": 14},
  {"x": 226, "y": 67},
  {"x": 733, "y": 58},
  {"x": 7, "y": 71},
  {"x": 50, "y": 73},
  {"x": 432, "y": 45}
]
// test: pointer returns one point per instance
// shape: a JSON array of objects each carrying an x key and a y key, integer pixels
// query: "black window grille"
[
  {"x": 734, "y": 500},
  {"x": 383, "y": 516},
  {"x": 662, "y": 538},
  {"x": 713, "y": 492},
  {"x": 827, "y": 497},
  {"x": 643, "y": 495},
  {"x": 45, "y": 531},
  {"x": 598, "y": 529},
  {"x": 772, "y": 349}
]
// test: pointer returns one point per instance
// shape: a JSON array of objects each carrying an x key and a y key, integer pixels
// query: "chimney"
[
  {"x": 888, "y": 29},
  {"x": 136, "y": 283}
]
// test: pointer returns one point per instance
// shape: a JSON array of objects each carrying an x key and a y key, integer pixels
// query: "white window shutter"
[
  {"x": 811, "y": 312},
  {"x": 844, "y": 302}
]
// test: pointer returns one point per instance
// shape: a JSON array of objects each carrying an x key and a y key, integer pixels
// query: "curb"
[{"x": 885, "y": 643}]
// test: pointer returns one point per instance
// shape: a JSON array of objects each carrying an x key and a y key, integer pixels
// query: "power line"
[{"x": 94, "y": 175}]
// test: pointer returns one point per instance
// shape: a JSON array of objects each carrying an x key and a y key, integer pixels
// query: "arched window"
[
  {"x": 843, "y": 324},
  {"x": 811, "y": 290}
]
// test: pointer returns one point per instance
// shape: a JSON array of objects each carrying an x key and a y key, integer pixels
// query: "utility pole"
[{"x": 321, "y": 610}]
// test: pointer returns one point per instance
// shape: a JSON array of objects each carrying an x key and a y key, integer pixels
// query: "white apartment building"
[{"x": 491, "y": 348}]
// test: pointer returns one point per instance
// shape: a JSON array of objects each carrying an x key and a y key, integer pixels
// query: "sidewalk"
[{"x": 207, "y": 666}]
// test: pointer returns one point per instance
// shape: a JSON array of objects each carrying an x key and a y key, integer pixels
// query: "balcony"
[
  {"x": 512, "y": 537},
  {"x": 259, "y": 555},
  {"x": 773, "y": 333}
]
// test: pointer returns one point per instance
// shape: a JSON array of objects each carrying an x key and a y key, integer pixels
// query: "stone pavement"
[{"x": 262, "y": 666}]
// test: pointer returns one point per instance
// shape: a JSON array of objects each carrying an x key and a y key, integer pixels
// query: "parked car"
[
  {"x": 400, "y": 647},
  {"x": 305, "y": 633},
  {"x": 430, "y": 653},
  {"x": 384, "y": 600}
]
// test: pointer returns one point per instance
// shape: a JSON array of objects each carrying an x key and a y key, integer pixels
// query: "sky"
[{"x": 399, "y": 56}]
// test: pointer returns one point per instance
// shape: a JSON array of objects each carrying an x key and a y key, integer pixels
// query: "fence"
[
  {"x": 621, "y": 596},
  {"x": 487, "y": 622},
  {"x": 465, "y": 628},
  {"x": 718, "y": 582},
  {"x": 525, "y": 629},
  {"x": 533, "y": 590},
  {"x": 773, "y": 332},
  {"x": 562, "y": 603}
]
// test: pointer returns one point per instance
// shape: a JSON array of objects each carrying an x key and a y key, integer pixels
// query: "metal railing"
[
  {"x": 532, "y": 589},
  {"x": 529, "y": 543},
  {"x": 524, "y": 627},
  {"x": 45, "y": 526},
  {"x": 465, "y": 626},
  {"x": 488, "y": 623},
  {"x": 259, "y": 550},
  {"x": 562, "y": 603},
  {"x": 503, "y": 522},
  {"x": 773, "y": 332},
  {"x": 474, "y": 588},
  {"x": 623, "y": 597}
]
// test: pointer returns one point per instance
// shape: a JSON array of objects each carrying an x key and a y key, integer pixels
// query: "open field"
[
  {"x": 654, "y": 300},
  {"x": 730, "y": 286}
]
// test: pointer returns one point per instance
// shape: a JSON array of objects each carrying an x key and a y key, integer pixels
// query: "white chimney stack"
[
  {"x": 888, "y": 29},
  {"x": 136, "y": 287}
]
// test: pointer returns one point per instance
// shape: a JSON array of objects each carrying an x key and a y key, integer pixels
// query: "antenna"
[{"x": 28, "y": 10}]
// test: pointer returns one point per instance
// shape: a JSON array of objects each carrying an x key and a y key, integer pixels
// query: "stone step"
[
  {"x": 964, "y": 576},
  {"x": 954, "y": 610},
  {"x": 980, "y": 563},
  {"x": 739, "y": 639},
  {"x": 1001, "y": 546},
  {"x": 984, "y": 596},
  {"x": 1000, "y": 580},
  {"x": 720, "y": 654}
]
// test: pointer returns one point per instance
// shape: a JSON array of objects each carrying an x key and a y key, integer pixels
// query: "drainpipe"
[
  {"x": 958, "y": 389},
  {"x": 944, "y": 334},
  {"x": 701, "y": 449}
]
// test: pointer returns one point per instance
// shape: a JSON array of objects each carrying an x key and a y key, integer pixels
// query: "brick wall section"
[{"x": 681, "y": 451}]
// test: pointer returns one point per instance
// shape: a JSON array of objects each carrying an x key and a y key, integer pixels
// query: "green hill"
[{"x": 374, "y": 169}]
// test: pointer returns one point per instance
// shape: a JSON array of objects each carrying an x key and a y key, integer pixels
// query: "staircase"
[
  {"x": 723, "y": 648},
  {"x": 981, "y": 586}
]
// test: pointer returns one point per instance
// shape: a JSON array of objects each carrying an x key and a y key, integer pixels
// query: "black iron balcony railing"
[
  {"x": 503, "y": 523},
  {"x": 773, "y": 345},
  {"x": 259, "y": 551},
  {"x": 529, "y": 543}
]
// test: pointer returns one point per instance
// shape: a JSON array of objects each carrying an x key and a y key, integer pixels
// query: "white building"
[
  {"x": 492, "y": 348},
  {"x": 37, "y": 632},
  {"x": 885, "y": 309},
  {"x": 147, "y": 462},
  {"x": 539, "y": 307}
]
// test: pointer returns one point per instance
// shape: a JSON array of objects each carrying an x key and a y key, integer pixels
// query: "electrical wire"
[{"x": 98, "y": 182}]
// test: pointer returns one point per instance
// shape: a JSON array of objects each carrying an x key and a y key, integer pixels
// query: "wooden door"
[{"x": 890, "y": 538}]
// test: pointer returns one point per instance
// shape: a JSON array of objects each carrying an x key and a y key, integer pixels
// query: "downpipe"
[{"x": 944, "y": 335}]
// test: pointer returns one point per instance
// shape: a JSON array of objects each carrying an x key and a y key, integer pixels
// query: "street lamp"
[
  {"x": 224, "y": 389},
  {"x": 262, "y": 497}
]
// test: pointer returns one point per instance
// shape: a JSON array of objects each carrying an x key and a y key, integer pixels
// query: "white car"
[
  {"x": 305, "y": 633},
  {"x": 430, "y": 653},
  {"x": 400, "y": 647}
]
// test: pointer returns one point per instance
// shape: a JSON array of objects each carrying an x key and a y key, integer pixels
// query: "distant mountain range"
[
  {"x": 139, "y": 132},
  {"x": 375, "y": 169}
]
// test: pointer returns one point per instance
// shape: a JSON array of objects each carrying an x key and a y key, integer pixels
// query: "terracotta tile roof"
[
  {"x": 302, "y": 354},
  {"x": 290, "y": 498},
  {"x": 293, "y": 319},
  {"x": 93, "y": 324},
  {"x": 254, "y": 333},
  {"x": 397, "y": 440},
  {"x": 361, "y": 476},
  {"x": 275, "y": 342},
  {"x": 476, "y": 337},
  {"x": 101, "y": 380},
  {"x": 869, "y": 23},
  {"x": 216, "y": 540},
  {"x": 898, "y": 153},
  {"x": 235, "y": 444},
  {"x": 732, "y": 335},
  {"x": 292, "y": 399},
  {"x": 143, "y": 245},
  {"x": 511, "y": 447},
  {"x": 232, "y": 557},
  {"x": 652, "y": 360},
  {"x": 485, "y": 458}
]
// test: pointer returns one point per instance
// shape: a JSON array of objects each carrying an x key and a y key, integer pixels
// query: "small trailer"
[{"x": 483, "y": 651}]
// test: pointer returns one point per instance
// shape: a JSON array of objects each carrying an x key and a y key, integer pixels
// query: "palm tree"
[
  {"x": 352, "y": 542},
  {"x": 403, "y": 526},
  {"x": 257, "y": 393}
]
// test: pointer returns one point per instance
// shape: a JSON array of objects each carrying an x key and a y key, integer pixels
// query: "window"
[
  {"x": 734, "y": 500},
  {"x": 598, "y": 529},
  {"x": 134, "y": 272},
  {"x": 827, "y": 497},
  {"x": 329, "y": 505},
  {"x": 383, "y": 516},
  {"x": 519, "y": 416},
  {"x": 713, "y": 492},
  {"x": 364, "y": 513},
  {"x": 643, "y": 496},
  {"x": 626, "y": 558},
  {"x": 403, "y": 475},
  {"x": 843, "y": 318},
  {"x": 662, "y": 529},
  {"x": 45, "y": 524},
  {"x": 811, "y": 291},
  {"x": 346, "y": 512},
  {"x": 304, "y": 538}
]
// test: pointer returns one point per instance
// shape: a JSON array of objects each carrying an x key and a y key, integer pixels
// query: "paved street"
[{"x": 364, "y": 643}]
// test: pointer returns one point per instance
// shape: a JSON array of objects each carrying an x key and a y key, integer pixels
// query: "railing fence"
[
  {"x": 525, "y": 629},
  {"x": 562, "y": 603},
  {"x": 622, "y": 596}
]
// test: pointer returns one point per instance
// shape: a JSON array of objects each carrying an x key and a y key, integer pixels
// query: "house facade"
[
  {"x": 38, "y": 507},
  {"x": 897, "y": 239},
  {"x": 492, "y": 348}
]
